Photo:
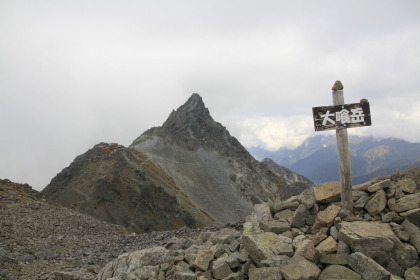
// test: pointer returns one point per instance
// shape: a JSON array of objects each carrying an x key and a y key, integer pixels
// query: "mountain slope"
[
  {"x": 122, "y": 186},
  {"x": 209, "y": 165}
]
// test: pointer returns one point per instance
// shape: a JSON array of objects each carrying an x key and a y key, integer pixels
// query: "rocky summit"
[
  {"x": 308, "y": 236},
  {"x": 211, "y": 167},
  {"x": 189, "y": 172}
]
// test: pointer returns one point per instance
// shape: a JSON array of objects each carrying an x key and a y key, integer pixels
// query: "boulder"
[
  {"x": 376, "y": 203},
  {"x": 413, "y": 216},
  {"x": 202, "y": 259},
  {"x": 265, "y": 273},
  {"x": 288, "y": 204},
  {"x": 367, "y": 267},
  {"x": 300, "y": 268},
  {"x": 261, "y": 246},
  {"x": 327, "y": 246},
  {"x": 334, "y": 272},
  {"x": 261, "y": 213},
  {"x": 307, "y": 249},
  {"x": 414, "y": 233},
  {"x": 327, "y": 192},
  {"x": 128, "y": 263},
  {"x": 408, "y": 202},
  {"x": 413, "y": 273},
  {"x": 284, "y": 215},
  {"x": 300, "y": 216},
  {"x": 407, "y": 185},
  {"x": 378, "y": 241},
  {"x": 307, "y": 198},
  {"x": 326, "y": 217},
  {"x": 220, "y": 269}
]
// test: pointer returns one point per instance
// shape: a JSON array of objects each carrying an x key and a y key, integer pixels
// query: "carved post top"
[{"x": 337, "y": 86}]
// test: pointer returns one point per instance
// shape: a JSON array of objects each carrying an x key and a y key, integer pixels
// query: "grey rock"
[
  {"x": 291, "y": 205},
  {"x": 284, "y": 215},
  {"x": 334, "y": 272},
  {"x": 220, "y": 269},
  {"x": 376, "y": 203},
  {"x": 343, "y": 248},
  {"x": 413, "y": 216},
  {"x": 326, "y": 217},
  {"x": 408, "y": 202},
  {"x": 378, "y": 186},
  {"x": 334, "y": 232},
  {"x": 202, "y": 259},
  {"x": 367, "y": 267},
  {"x": 388, "y": 217},
  {"x": 275, "y": 226},
  {"x": 407, "y": 185},
  {"x": 262, "y": 246},
  {"x": 130, "y": 262},
  {"x": 414, "y": 233},
  {"x": 307, "y": 198},
  {"x": 327, "y": 192},
  {"x": 413, "y": 273},
  {"x": 378, "y": 241},
  {"x": 335, "y": 259},
  {"x": 300, "y": 216},
  {"x": 361, "y": 202},
  {"x": 183, "y": 275},
  {"x": 275, "y": 261},
  {"x": 265, "y": 273},
  {"x": 300, "y": 268},
  {"x": 307, "y": 250}
]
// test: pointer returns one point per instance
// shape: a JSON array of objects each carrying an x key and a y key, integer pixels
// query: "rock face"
[
  {"x": 338, "y": 245},
  {"x": 123, "y": 187},
  {"x": 211, "y": 167}
]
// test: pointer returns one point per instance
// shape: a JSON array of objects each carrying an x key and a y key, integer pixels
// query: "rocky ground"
[
  {"x": 40, "y": 240},
  {"x": 306, "y": 237}
]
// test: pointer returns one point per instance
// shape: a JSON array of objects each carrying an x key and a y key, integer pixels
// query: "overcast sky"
[{"x": 76, "y": 73}]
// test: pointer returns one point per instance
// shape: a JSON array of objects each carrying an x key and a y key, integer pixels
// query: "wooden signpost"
[{"x": 341, "y": 116}]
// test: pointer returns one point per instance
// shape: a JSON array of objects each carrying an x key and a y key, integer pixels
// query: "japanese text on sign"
[{"x": 341, "y": 116}]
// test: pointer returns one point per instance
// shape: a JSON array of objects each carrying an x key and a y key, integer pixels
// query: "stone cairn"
[{"x": 305, "y": 237}]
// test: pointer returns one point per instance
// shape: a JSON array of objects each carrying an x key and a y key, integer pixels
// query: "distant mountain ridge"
[
  {"x": 317, "y": 157},
  {"x": 188, "y": 172}
]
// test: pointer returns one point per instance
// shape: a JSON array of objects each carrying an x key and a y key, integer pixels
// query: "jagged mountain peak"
[
  {"x": 191, "y": 126},
  {"x": 191, "y": 114}
]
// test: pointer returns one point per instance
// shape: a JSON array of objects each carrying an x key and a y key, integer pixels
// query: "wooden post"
[{"x": 343, "y": 153}]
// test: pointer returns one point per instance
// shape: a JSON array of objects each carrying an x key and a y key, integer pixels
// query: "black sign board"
[{"x": 341, "y": 116}]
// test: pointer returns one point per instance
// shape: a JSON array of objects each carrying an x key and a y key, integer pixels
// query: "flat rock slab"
[
  {"x": 327, "y": 192},
  {"x": 262, "y": 246}
]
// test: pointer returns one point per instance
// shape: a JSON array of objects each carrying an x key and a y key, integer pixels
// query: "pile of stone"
[{"x": 306, "y": 237}]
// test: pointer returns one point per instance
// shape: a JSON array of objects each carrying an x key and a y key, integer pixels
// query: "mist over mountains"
[{"x": 317, "y": 159}]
